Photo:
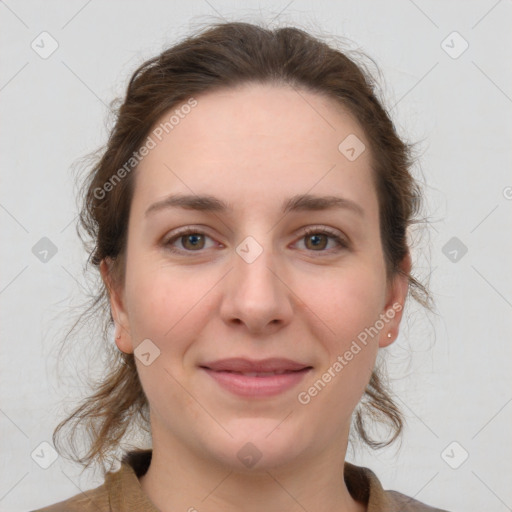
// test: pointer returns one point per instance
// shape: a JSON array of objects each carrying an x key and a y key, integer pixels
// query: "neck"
[{"x": 181, "y": 479}]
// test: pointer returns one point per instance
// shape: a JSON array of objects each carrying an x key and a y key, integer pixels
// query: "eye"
[
  {"x": 316, "y": 239},
  {"x": 191, "y": 240}
]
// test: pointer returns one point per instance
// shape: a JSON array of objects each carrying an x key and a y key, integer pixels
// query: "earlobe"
[
  {"x": 122, "y": 331},
  {"x": 395, "y": 302}
]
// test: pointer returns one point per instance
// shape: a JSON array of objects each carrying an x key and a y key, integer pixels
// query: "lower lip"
[{"x": 248, "y": 386}]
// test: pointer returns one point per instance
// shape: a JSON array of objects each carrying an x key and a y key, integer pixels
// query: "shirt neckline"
[{"x": 361, "y": 482}]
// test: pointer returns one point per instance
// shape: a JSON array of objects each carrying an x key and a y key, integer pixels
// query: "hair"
[{"x": 225, "y": 55}]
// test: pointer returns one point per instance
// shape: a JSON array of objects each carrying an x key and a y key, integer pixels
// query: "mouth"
[
  {"x": 258, "y": 374},
  {"x": 250, "y": 378}
]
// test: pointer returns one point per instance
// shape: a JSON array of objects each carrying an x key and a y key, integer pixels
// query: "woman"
[{"x": 249, "y": 218}]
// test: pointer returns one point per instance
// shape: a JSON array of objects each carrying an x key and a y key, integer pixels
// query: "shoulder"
[
  {"x": 408, "y": 504},
  {"x": 364, "y": 486},
  {"x": 120, "y": 492},
  {"x": 94, "y": 500}
]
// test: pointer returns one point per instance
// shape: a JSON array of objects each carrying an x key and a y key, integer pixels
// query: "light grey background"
[{"x": 451, "y": 371}]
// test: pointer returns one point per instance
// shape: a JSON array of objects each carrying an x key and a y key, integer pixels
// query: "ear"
[
  {"x": 395, "y": 301},
  {"x": 119, "y": 314}
]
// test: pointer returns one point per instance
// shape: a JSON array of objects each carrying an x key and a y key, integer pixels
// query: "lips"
[
  {"x": 256, "y": 379},
  {"x": 272, "y": 366}
]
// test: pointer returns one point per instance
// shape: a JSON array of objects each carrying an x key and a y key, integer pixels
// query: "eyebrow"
[{"x": 298, "y": 203}]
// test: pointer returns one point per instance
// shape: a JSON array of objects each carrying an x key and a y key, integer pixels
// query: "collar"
[{"x": 127, "y": 495}]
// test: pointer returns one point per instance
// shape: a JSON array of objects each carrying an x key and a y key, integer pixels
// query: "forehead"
[{"x": 256, "y": 144}]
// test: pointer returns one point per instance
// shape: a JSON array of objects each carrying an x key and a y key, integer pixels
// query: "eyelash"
[{"x": 342, "y": 243}]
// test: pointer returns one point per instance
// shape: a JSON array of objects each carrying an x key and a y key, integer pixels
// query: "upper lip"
[{"x": 240, "y": 364}]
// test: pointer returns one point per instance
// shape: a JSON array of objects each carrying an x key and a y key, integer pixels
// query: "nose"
[{"x": 256, "y": 295}]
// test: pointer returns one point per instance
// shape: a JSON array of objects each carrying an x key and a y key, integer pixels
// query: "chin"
[{"x": 258, "y": 444}]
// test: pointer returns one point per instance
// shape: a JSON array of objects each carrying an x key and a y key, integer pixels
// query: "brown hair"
[{"x": 226, "y": 55}]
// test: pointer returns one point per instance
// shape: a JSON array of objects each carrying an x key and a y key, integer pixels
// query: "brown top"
[{"x": 122, "y": 492}]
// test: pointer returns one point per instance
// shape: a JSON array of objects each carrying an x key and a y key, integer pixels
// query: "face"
[{"x": 254, "y": 280}]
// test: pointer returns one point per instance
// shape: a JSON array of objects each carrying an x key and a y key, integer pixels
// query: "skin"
[{"x": 254, "y": 147}]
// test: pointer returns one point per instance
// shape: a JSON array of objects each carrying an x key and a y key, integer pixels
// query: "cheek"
[
  {"x": 150, "y": 303},
  {"x": 165, "y": 304},
  {"x": 163, "y": 307},
  {"x": 350, "y": 309},
  {"x": 350, "y": 301}
]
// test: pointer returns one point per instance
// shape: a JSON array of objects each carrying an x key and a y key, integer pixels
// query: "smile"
[{"x": 257, "y": 384}]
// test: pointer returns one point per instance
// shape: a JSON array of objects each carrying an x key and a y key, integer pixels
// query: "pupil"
[
  {"x": 193, "y": 239},
  {"x": 316, "y": 240}
]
